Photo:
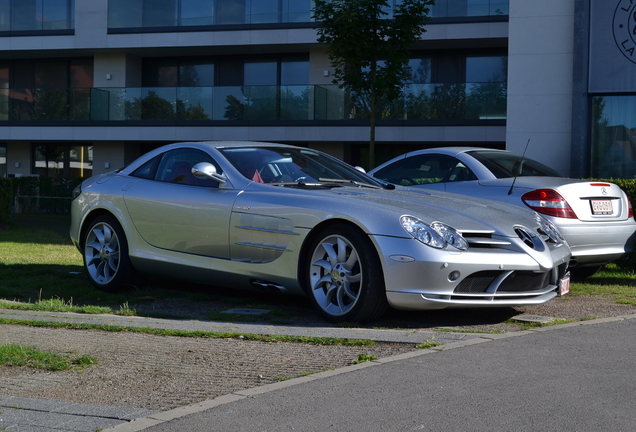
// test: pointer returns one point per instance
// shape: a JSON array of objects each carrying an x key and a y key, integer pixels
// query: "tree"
[{"x": 368, "y": 50}]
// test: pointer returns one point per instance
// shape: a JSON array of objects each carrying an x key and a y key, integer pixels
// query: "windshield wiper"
[
  {"x": 302, "y": 184},
  {"x": 350, "y": 182}
]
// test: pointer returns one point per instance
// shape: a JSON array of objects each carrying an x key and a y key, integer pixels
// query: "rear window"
[{"x": 504, "y": 165}]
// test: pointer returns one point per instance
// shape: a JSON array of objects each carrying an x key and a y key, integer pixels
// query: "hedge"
[
  {"x": 35, "y": 195},
  {"x": 6, "y": 200}
]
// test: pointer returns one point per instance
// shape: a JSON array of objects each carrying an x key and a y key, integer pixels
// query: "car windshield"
[
  {"x": 505, "y": 164},
  {"x": 284, "y": 165}
]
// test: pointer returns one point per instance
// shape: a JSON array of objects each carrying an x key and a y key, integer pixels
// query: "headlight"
[
  {"x": 547, "y": 228},
  {"x": 437, "y": 234},
  {"x": 77, "y": 191}
]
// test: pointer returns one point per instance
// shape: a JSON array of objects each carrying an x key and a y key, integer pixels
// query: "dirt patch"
[{"x": 161, "y": 373}]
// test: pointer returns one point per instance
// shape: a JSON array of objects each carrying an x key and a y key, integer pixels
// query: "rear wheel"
[
  {"x": 344, "y": 276},
  {"x": 106, "y": 256}
]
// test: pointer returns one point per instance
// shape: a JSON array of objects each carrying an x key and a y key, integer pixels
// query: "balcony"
[{"x": 186, "y": 105}]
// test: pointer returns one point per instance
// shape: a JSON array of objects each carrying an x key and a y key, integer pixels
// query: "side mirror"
[
  {"x": 359, "y": 168},
  {"x": 205, "y": 170}
]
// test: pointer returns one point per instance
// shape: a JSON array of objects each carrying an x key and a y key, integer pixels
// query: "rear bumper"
[{"x": 599, "y": 242}]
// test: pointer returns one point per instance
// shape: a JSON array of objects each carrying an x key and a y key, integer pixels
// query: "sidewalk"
[
  {"x": 38, "y": 415},
  {"x": 27, "y": 414}
]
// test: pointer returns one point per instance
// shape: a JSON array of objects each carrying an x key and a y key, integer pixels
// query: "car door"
[{"x": 173, "y": 210}]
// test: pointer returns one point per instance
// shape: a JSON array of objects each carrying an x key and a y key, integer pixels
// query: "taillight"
[
  {"x": 548, "y": 202},
  {"x": 631, "y": 210}
]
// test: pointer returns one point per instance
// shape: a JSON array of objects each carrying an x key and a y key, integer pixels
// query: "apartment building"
[{"x": 86, "y": 86}]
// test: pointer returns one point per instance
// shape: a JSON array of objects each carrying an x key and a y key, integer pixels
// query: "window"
[
  {"x": 5, "y": 15},
  {"x": 422, "y": 169},
  {"x": 294, "y": 72},
  {"x": 163, "y": 13},
  {"x": 197, "y": 12},
  {"x": 39, "y": 89},
  {"x": 260, "y": 73},
  {"x": 230, "y": 12},
  {"x": 125, "y": 13},
  {"x": 196, "y": 74},
  {"x": 506, "y": 165},
  {"x": 420, "y": 70},
  {"x": 462, "y": 8},
  {"x": 486, "y": 69},
  {"x": 71, "y": 161},
  {"x": 167, "y": 72},
  {"x": 57, "y": 14},
  {"x": 4, "y": 91},
  {"x": 296, "y": 11},
  {"x": 147, "y": 170},
  {"x": 264, "y": 11},
  {"x": 176, "y": 167},
  {"x": 171, "y": 13},
  {"x": 34, "y": 15},
  {"x": 3, "y": 160},
  {"x": 613, "y": 137}
]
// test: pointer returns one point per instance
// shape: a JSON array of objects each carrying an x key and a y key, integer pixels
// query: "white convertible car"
[
  {"x": 594, "y": 217},
  {"x": 294, "y": 220}
]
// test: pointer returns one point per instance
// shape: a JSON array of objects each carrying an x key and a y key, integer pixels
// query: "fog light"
[{"x": 453, "y": 276}]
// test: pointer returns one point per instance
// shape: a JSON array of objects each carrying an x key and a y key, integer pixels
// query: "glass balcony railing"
[
  {"x": 140, "y": 14},
  {"x": 463, "y": 101}
]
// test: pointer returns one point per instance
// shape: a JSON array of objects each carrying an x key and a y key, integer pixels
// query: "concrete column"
[
  {"x": 540, "y": 76},
  {"x": 116, "y": 70},
  {"x": 108, "y": 156},
  {"x": 18, "y": 158}
]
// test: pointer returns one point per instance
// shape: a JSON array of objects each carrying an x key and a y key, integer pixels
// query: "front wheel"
[
  {"x": 106, "y": 256},
  {"x": 344, "y": 276}
]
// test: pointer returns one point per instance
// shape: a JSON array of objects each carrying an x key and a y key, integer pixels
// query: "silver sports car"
[
  {"x": 595, "y": 218},
  {"x": 294, "y": 220}
]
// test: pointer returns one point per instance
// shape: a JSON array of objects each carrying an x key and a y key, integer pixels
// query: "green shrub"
[
  {"x": 43, "y": 194},
  {"x": 629, "y": 186},
  {"x": 6, "y": 198}
]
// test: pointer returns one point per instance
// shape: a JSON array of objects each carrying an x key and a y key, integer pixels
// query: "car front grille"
[
  {"x": 524, "y": 281},
  {"x": 477, "y": 283},
  {"x": 515, "y": 282}
]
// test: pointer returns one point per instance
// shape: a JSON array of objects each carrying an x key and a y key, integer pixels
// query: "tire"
[
  {"x": 106, "y": 259},
  {"x": 343, "y": 276}
]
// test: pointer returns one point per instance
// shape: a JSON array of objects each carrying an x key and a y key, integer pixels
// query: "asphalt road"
[{"x": 574, "y": 377}]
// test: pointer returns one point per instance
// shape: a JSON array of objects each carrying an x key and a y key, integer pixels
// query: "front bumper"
[{"x": 418, "y": 277}]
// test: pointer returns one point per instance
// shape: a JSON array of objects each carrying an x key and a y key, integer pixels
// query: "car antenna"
[{"x": 523, "y": 156}]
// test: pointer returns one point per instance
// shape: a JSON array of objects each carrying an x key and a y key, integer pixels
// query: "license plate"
[
  {"x": 601, "y": 207},
  {"x": 564, "y": 284}
]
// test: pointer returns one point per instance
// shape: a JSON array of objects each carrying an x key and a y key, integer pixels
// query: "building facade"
[{"x": 87, "y": 86}]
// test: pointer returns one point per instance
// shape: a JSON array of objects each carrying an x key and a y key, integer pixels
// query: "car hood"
[
  {"x": 464, "y": 214},
  {"x": 380, "y": 207}
]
